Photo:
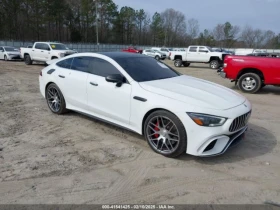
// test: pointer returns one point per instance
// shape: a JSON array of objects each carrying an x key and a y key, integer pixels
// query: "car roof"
[{"x": 115, "y": 55}]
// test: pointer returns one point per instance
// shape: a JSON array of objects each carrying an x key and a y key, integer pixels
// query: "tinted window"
[
  {"x": 146, "y": 69},
  {"x": 1, "y": 48},
  {"x": 65, "y": 63},
  {"x": 193, "y": 49},
  {"x": 148, "y": 50},
  {"x": 102, "y": 68},
  {"x": 45, "y": 47},
  {"x": 81, "y": 64},
  {"x": 38, "y": 46}
]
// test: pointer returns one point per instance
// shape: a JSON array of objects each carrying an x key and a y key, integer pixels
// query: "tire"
[
  {"x": 157, "y": 58},
  {"x": 5, "y": 58},
  {"x": 249, "y": 83},
  {"x": 214, "y": 64},
  {"x": 186, "y": 64},
  {"x": 28, "y": 60},
  {"x": 53, "y": 93},
  {"x": 54, "y": 58},
  {"x": 161, "y": 142},
  {"x": 178, "y": 63}
]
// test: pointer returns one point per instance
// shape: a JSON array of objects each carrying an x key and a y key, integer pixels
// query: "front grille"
[{"x": 239, "y": 122}]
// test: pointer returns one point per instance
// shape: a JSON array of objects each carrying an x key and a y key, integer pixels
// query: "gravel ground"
[{"x": 73, "y": 159}]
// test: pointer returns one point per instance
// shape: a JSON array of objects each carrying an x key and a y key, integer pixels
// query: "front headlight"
[
  {"x": 61, "y": 54},
  {"x": 207, "y": 120}
]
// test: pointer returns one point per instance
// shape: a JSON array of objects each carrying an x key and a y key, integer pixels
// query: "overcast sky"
[{"x": 263, "y": 14}]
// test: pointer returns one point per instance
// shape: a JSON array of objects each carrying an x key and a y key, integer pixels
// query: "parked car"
[
  {"x": 251, "y": 73},
  {"x": 155, "y": 54},
  {"x": 176, "y": 113},
  {"x": 198, "y": 54},
  {"x": 8, "y": 53},
  {"x": 44, "y": 51},
  {"x": 133, "y": 50},
  {"x": 164, "y": 50}
]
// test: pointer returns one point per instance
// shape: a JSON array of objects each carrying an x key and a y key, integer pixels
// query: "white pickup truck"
[
  {"x": 198, "y": 54},
  {"x": 44, "y": 51}
]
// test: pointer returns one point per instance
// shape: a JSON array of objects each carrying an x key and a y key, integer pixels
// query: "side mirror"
[{"x": 116, "y": 78}]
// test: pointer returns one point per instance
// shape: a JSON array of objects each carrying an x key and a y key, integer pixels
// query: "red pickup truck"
[
  {"x": 251, "y": 73},
  {"x": 132, "y": 50}
]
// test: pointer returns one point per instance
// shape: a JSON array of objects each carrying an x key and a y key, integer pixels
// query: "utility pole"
[{"x": 96, "y": 22}]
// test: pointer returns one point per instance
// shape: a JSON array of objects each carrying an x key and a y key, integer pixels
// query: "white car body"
[
  {"x": 45, "y": 51},
  {"x": 9, "y": 53},
  {"x": 164, "y": 50},
  {"x": 91, "y": 94},
  {"x": 155, "y": 54},
  {"x": 197, "y": 54}
]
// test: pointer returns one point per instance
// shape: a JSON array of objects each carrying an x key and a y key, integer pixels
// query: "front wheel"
[
  {"x": 157, "y": 57},
  {"x": 178, "y": 63},
  {"x": 55, "y": 99},
  {"x": 5, "y": 58},
  {"x": 27, "y": 60},
  {"x": 165, "y": 134},
  {"x": 249, "y": 83}
]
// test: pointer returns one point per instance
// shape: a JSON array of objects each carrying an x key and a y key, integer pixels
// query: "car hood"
[{"x": 195, "y": 92}]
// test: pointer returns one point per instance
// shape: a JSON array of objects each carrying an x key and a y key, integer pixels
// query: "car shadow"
[
  {"x": 200, "y": 67},
  {"x": 258, "y": 141},
  {"x": 269, "y": 89}
]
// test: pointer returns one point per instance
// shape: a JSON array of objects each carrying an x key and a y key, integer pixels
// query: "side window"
[
  {"x": 81, "y": 64},
  {"x": 65, "y": 63},
  {"x": 38, "y": 46},
  {"x": 45, "y": 47},
  {"x": 1, "y": 49},
  {"x": 102, "y": 68},
  {"x": 193, "y": 49}
]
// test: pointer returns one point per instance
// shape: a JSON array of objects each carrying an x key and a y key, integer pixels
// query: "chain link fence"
[{"x": 90, "y": 47}]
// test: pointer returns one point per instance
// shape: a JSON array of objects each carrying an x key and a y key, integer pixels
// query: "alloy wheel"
[
  {"x": 163, "y": 134},
  {"x": 53, "y": 98},
  {"x": 249, "y": 83}
]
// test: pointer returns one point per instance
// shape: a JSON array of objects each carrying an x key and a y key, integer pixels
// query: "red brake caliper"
[{"x": 157, "y": 129}]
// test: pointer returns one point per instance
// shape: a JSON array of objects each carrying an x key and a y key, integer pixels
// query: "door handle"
[
  {"x": 61, "y": 76},
  {"x": 42, "y": 51},
  {"x": 32, "y": 50},
  {"x": 93, "y": 83}
]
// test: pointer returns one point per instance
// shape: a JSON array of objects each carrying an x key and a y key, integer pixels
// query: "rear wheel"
[
  {"x": 27, "y": 60},
  {"x": 55, "y": 99},
  {"x": 250, "y": 83},
  {"x": 165, "y": 133},
  {"x": 186, "y": 64},
  {"x": 178, "y": 63},
  {"x": 214, "y": 64}
]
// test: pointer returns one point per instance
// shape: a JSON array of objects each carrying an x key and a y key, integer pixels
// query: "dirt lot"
[{"x": 45, "y": 158}]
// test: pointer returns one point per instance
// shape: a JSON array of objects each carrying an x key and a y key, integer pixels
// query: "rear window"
[{"x": 146, "y": 69}]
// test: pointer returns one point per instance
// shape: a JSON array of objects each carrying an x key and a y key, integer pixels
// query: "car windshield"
[
  {"x": 210, "y": 49},
  {"x": 10, "y": 49},
  {"x": 143, "y": 69},
  {"x": 58, "y": 47}
]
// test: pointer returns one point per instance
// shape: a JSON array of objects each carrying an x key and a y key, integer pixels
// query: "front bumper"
[
  {"x": 212, "y": 141},
  {"x": 14, "y": 57}
]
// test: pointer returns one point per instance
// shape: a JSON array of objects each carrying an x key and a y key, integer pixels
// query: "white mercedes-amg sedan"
[{"x": 176, "y": 113}]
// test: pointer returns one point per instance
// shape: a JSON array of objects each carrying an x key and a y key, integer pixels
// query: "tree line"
[{"x": 75, "y": 21}]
